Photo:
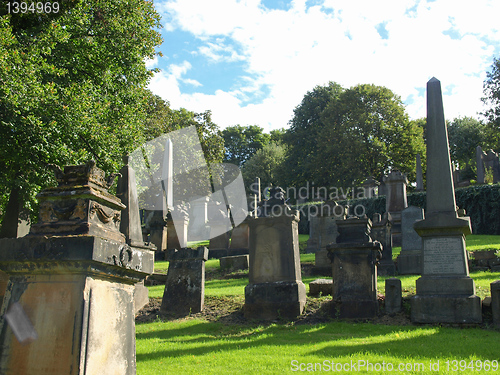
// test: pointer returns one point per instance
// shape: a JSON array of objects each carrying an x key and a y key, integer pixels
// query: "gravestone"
[
  {"x": 198, "y": 218},
  {"x": 72, "y": 278},
  {"x": 479, "y": 165},
  {"x": 354, "y": 269},
  {"x": 495, "y": 302},
  {"x": 396, "y": 202},
  {"x": 219, "y": 231},
  {"x": 393, "y": 296},
  {"x": 130, "y": 224},
  {"x": 313, "y": 241},
  {"x": 156, "y": 226},
  {"x": 410, "y": 258},
  {"x": 322, "y": 287},
  {"x": 239, "y": 239},
  {"x": 329, "y": 213},
  {"x": 420, "y": 177},
  {"x": 381, "y": 232},
  {"x": 445, "y": 292},
  {"x": 177, "y": 231},
  {"x": 370, "y": 186},
  {"x": 184, "y": 292},
  {"x": 234, "y": 262},
  {"x": 275, "y": 286}
]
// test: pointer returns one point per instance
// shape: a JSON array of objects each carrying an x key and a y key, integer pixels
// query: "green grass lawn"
[
  {"x": 197, "y": 347},
  {"x": 194, "y": 346}
]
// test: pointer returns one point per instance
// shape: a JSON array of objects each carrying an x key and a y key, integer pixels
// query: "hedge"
[{"x": 481, "y": 204}]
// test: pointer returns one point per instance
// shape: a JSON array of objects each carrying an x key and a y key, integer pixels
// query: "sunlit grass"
[{"x": 194, "y": 346}]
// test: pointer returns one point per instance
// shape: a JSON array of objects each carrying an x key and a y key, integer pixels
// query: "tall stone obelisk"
[{"x": 445, "y": 292}]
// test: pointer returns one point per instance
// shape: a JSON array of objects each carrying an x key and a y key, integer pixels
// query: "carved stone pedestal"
[{"x": 71, "y": 284}]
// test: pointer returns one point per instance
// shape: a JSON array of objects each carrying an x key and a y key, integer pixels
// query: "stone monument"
[
  {"x": 185, "y": 287},
  {"x": 275, "y": 286},
  {"x": 410, "y": 258},
  {"x": 354, "y": 269},
  {"x": 396, "y": 202},
  {"x": 445, "y": 292},
  {"x": 71, "y": 283},
  {"x": 381, "y": 232},
  {"x": 328, "y": 215}
]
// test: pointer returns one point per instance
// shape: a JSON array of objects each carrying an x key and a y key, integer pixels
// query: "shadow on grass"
[{"x": 342, "y": 339}]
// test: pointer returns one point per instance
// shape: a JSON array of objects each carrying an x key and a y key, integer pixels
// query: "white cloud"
[{"x": 291, "y": 51}]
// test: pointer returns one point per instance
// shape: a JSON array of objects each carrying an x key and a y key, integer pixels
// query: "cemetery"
[{"x": 139, "y": 239}]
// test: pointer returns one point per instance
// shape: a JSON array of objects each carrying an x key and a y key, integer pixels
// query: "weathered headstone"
[
  {"x": 479, "y": 165},
  {"x": 410, "y": 258},
  {"x": 74, "y": 277},
  {"x": 495, "y": 302},
  {"x": 219, "y": 231},
  {"x": 185, "y": 287},
  {"x": 370, "y": 186},
  {"x": 240, "y": 240},
  {"x": 396, "y": 202},
  {"x": 176, "y": 233},
  {"x": 445, "y": 292},
  {"x": 393, "y": 296},
  {"x": 420, "y": 177},
  {"x": 321, "y": 287},
  {"x": 156, "y": 225},
  {"x": 381, "y": 232},
  {"x": 313, "y": 241},
  {"x": 275, "y": 286},
  {"x": 234, "y": 262},
  {"x": 354, "y": 269},
  {"x": 198, "y": 217},
  {"x": 491, "y": 163},
  {"x": 130, "y": 224}
]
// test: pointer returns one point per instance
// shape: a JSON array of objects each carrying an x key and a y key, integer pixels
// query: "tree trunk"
[{"x": 11, "y": 218}]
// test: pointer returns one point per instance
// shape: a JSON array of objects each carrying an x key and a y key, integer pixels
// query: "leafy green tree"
[
  {"x": 491, "y": 90},
  {"x": 368, "y": 134},
  {"x": 267, "y": 163},
  {"x": 72, "y": 87},
  {"x": 348, "y": 135},
  {"x": 464, "y": 135},
  {"x": 302, "y": 136},
  {"x": 241, "y": 142}
]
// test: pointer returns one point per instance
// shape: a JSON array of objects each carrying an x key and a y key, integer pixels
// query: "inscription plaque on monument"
[{"x": 444, "y": 255}]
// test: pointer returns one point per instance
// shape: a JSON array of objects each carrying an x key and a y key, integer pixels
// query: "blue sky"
[{"x": 251, "y": 61}]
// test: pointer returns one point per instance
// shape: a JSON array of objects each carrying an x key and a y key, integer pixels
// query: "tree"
[
  {"x": 72, "y": 87},
  {"x": 267, "y": 164},
  {"x": 342, "y": 136},
  {"x": 464, "y": 135},
  {"x": 241, "y": 142},
  {"x": 491, "y": 90},
  {"x": 302, "y": 136},
  {"x": 367, "y": 133}
]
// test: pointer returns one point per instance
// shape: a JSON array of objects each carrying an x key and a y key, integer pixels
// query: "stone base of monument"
[
  {"x": 322, "y": 287},
  {"x": 269, "y": 301},
  {"x": 239, "y": 251},
  {"x": 236, "y": 262},
  {"x": 141, "y": 296},
  {"x": 78, "y": 294},
  {"x": 355, "y": 279},
  {"x": 185, "y": 287},
  {"x": 446, "y": 300},
  {"x": 322, "y": 264},
  {"x": 217, "y": 253},
  {"x": 495, "y": 302},
  {"x": 386, "y": 268},
  {"x": 410, "y": 262}
]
